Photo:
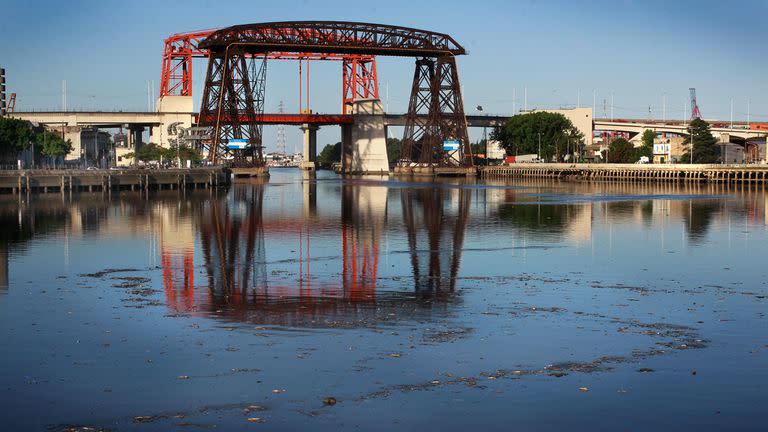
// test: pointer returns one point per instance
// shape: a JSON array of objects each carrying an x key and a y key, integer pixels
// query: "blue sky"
[{"x": 636, "y": 50}]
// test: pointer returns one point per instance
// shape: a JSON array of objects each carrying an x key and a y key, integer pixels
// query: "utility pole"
[
  {"x": 63, "y": 95},
  {"x": 748, "y": 112},
  {"x": 514, "y": 102},
  {"x": 611, "y": 106},
  {"x": 525, "y": 106},
  {"x": 731, "y": 112},
  {"x": 387, "y": 95},
  {"x": 539, "y": 155}
]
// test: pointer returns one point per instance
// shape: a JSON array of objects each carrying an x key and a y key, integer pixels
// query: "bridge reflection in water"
[
  {"x": 349, "y": 245},
  {"x": 233, "y": 240},
  {"x": 436, "y": 219}
]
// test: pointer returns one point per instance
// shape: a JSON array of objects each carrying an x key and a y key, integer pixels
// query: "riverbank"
[
  {"x": 18, "y": 181},
  {"x": 632, "y": 172}
]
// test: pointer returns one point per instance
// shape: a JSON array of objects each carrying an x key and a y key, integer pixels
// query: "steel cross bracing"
[
  {"x": 436, "y": 92},
  {"x": 360, "y": 81},
  {"x": 235, "y": 89}
]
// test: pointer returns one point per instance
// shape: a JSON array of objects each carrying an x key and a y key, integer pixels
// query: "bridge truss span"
[{"x": 436, "y": 92}]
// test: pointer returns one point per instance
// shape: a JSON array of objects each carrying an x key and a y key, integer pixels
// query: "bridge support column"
[
  {"x": 134, "y": 139},
  {"x": 310, "y": 146},
  {"x": 72, "y": 133},
  {"x": 364, "y": 144}
]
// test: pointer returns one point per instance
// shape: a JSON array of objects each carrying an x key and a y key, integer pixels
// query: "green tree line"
[
  {"x": 550, "y": 135},
  {"x": 19, "y": 135},
  {"x": 153, "y": 152}
]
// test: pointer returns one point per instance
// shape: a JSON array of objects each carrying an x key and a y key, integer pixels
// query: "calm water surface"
[{"x": 502, "y": 305}]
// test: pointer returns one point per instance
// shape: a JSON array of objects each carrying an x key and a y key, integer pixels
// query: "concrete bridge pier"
[
  {"x": 310, "y": 147},
  {"x": 364, "y": 143}
]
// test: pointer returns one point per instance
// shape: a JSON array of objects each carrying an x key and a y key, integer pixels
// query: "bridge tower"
[
  {"x": 436, "y": 127},
  {"x": 234, "y": 94}
]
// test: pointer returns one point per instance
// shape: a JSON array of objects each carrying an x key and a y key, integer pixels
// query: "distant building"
[
  {"x": 95, "y": 148},
  {"x": 495, "y": 150},
  {"x": 732, "y": 153},
  {"x": 668, "y": 150},
  {"x": 580, "y": 117}
]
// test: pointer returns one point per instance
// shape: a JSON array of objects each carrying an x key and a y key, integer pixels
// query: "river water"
[{"x": 379, "y": 304}]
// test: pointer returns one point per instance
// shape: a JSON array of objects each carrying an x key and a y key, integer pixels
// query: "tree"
[
  {"x": 647, "y": 148},
  {"x": 620, "y": 151},
  {"x": 148, "y": 152},
  {"x": 393, "y": 150},
  {"x": 705, "y": 148},
  {"x": 52, "y": 145},
  {"x": 330, "y": 154},
  {"x": 183, "y": 153},
  {"x": 15, "y": 136},
  {"x": 522, "y": 134}
]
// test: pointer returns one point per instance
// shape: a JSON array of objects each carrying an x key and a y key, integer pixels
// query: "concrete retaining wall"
[
  {"x": 103, "y": 180},
  {"x": 633, "y": 172}
]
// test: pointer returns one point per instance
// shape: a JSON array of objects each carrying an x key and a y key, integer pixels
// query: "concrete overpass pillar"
[
  {"x": 364, "y": 144},
  {"x": 72, "y": 133},
  {"x": 134, "y": 140},
  {"x": 310, "y": 146}
]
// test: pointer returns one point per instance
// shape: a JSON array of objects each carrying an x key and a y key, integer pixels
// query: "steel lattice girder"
[
  {"x": 335, "y": 37},
  {"x": 436, "y": 92}
]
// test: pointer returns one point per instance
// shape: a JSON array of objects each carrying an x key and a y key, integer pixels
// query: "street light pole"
[
  {"x": 539, "y": 155},
  {"x": 480, "y": 110}
]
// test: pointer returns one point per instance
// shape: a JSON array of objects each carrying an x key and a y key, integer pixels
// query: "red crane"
[{"x": 695, "y": 112}]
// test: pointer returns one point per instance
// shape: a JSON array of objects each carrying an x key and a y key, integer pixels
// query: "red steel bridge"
[{"x": 233, "y": 97}]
